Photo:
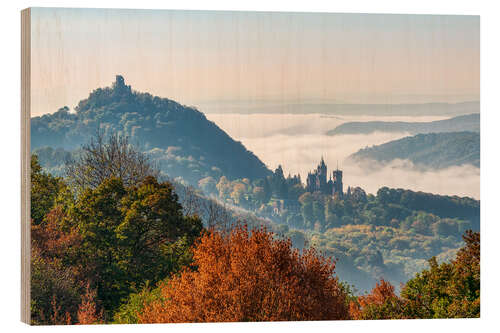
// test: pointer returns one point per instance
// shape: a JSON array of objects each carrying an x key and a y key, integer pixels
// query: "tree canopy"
[
  {"x": 247, "y": 275},
  {"x": 446, "y": 290},
  {"x": 99, "y": 245}
]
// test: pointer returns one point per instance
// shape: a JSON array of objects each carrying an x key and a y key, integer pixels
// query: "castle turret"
[
  {"x": 322, "y": 175},
  {"x": 338, "y": 186}
]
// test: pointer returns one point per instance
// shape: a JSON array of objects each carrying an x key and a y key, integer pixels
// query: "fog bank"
[{"x": 298, "y": 142}]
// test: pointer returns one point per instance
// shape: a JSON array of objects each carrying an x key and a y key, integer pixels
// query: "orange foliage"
[
  {"x": 49, "y": 237},
  {"x": 381, "y": 303},
  {"x": 383, "y": 291},
  {"x": 467, "y": 262},
  {"x": 87, "y": 311},
  {"x": 55, "y": 317},
  {"x": 55, "y": 279},
  {"x": 249, "y": 276}
]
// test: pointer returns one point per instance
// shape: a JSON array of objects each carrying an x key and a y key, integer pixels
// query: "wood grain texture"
[{"x": 25, "y": 163}]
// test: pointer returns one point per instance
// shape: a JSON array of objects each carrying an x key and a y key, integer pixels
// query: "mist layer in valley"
[{"x": 297, "y": 142}]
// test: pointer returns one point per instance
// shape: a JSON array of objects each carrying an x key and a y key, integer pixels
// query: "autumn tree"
[
  {"x": 55, "y": 278},
  {"x": 247, "y": 275},
  {"x": 87, "y": 310},
  {"x": 381, "y": 303}
]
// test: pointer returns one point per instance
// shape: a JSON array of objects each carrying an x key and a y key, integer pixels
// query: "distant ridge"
[
  {"x": 469, "y": 122},
  {"x": 433, "y": 150}
]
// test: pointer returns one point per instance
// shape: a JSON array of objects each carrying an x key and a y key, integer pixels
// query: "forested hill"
[
  {"x": 457, "y": 124},
  {"x": 179, "y": 138},
  {"x": 434, "y": 150}
]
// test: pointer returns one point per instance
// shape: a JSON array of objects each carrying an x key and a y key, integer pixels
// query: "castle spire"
[{"x": 322, "y": 163}]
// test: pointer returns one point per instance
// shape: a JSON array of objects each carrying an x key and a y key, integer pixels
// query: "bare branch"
[{"x": 103, "y": 158}]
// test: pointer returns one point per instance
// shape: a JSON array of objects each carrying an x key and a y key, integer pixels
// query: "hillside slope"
[
  {"x": 457, "y": 124},
  {"x": 179, "y": 138},
  {"x": 433, "y": 150}
]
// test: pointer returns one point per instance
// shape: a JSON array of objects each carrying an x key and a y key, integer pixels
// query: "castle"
[{"x": 316, "y": 181}]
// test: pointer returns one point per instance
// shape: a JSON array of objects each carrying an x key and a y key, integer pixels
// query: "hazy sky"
[{"x": 201, "y": 57}]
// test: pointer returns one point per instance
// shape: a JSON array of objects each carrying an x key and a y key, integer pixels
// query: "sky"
[{"x": 203, "y": 57}]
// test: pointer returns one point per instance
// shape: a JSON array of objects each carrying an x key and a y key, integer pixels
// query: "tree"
[
  {"x": 318, "y": 212},
  {"x": 224, "y": 187},
  {"x": 249, "y": 276},
  {"x": 238, "y": 193},
  {"x": 87, "y": 310},
  {"x": 306, "y": 208},
  {"x": 128, "y": 312},
  {"x": 258, "y": 195},
  {"x": 131, "y": 235},
  {"x": 426, "y": 294},
  {"x": 295, "y": 191},
  {"x": 267, "y": 190},
  {"x": 466, "y": 287},
  {"x": 448, "y": 290},
  {"x": 107, "y": 158},
  {"x": 216, "y": 215},
  {"x": 55, "y": 278},
  {"x": 44, "y": 190},
  {"x": 278, "y": 183},
  {"x": 189, "y": 199},
  {"x": 53, "y": 286},
  {"x": 381, "y": 303},
  {"x": 208, "y": 185}
]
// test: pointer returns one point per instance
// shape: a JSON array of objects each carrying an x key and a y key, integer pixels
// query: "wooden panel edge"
[{"x": 25, "y": 165}]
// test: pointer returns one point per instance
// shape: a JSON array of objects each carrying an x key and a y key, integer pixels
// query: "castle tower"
[
  {"x": 338, "y": 186},
  {"x": 322, "y": 175},
  {"x": 310, "y": 183}
]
